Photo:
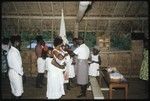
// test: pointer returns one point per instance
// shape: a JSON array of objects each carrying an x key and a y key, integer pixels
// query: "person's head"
[
  {"x": 75, "y": 41},
  {"x": 6, "y": 44},
  {"x": 16, "y": 41},
  {"x": 80, "y": 40},
  {"x": 50, "y": 49},
  {"x": 58, "y": 41},
  {"x": 42, "y": 42},
  {"x": 39, "y": 38},
  {"x": 95, "y": 50}
]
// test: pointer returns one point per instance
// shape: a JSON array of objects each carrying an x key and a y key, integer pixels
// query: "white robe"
[
  {"x": 93, "y": 69},
  {"x": 69, "y": 69},
  {"x": 55, "y": 81},
  {"x": 40, "y": 65},
  {"x": 71, "y": 72},
  {"x": 15, "y": 71}
]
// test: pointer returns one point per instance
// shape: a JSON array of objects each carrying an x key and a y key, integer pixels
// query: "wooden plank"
[
  {"x": 96, "y": 88},
  {"x": 73, "y": 17}
]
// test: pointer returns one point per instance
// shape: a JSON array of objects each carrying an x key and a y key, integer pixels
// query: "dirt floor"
[{"x": 137, "y": 90}]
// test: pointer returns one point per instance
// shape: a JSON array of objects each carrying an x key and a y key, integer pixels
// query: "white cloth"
[
  {"x": 40, "y": 65},
  {"x": 63, "y": 29},
  {"x": 67, "y": 70},
  {"x": 70, "y": 67},
  {"x": 55, "y": 81},
  {"x": 15, "y": 82},
  {"x": 93, "y": 69},
  {"x": 15, "y": 71},
  {"x": 82, "y": 51}
]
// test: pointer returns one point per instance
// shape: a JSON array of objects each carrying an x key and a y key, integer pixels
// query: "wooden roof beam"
[
  {"x": 39, "y": 5},
  {"x": 73, "y": 17},
  {"x": 15, "y": 8}
]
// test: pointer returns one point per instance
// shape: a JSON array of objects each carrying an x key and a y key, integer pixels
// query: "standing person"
[
  {"x": 144, "y": 66},
  {"x": 95, "y": 62},
  {"x": 16, "y": 42},
  {"x": 15, "y": 72},
  {"x": 82, "y": 53},
  {"x": 74, "y": 59},
  {"x": 75, "y": 45},
  {"x": 39, "y": 48},
  {"x": 69, "y": 72},
  {"x": 55, "y": 66}
]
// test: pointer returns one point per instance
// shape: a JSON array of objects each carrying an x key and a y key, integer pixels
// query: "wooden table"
[{"x": 119, "y": 84}]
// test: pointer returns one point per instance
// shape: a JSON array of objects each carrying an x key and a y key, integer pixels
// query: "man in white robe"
[
  {"x": 15, "y": 72},
  {"x": 82, "y": 53}
]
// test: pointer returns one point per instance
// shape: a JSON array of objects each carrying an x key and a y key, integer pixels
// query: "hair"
[
  {"x": 5, "y": 41},
  {"x": 14, "y": 39},
  {"x": 39, "y": 38},
  {"x": 57, "y": 41},
  {"x": 80, "y": 40},
  {"x": 50, "y": 48},
  {"x": 74, "y": 39}
]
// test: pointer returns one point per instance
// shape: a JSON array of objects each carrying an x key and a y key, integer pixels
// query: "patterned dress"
[
  {"x": 144, "y": 66},
  {"x": 4, "y": 62}
]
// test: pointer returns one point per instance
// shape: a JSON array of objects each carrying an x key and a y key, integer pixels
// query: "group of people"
[{"x": 62, "y": 63}]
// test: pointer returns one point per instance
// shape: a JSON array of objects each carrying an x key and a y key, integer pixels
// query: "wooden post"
[
  {"x": 76, "y": 29},
  {"x": 136, "y": 54}
]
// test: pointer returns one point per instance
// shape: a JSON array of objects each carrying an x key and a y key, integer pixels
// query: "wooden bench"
[
  {"x": 96, "y": 89},
  {"x": 121, "y": 84}
]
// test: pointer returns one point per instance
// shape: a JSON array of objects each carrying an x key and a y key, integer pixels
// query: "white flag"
[{"x": 62, "y": 33}]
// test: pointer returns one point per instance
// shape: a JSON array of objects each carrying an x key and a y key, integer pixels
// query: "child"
[
  {"x": 95, "y": 62},
  {"x": 69, "y": 70}
]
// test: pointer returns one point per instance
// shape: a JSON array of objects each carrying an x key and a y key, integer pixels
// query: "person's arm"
[
  {"x": 57, "y": 65},
  {"x": 90, "y": 59},
  {"x": 99, "y": 59},
  {"x": 38, "y": 51},
  {"x": 60, "y": 57}
]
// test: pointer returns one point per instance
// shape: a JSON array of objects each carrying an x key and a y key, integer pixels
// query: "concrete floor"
[{"x": 137, "y": 90}]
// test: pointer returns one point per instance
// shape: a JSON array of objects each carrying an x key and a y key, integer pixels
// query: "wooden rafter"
[
  {"x": 52, "y": 19},
  {"x": 108, "y": 28},
  {"x": 119, "y": 26},
  {"x": 15, "y": 8},
  {"x": 73, "y": 17},
  {"x": 139, "y": 7},
  {"x": 27, "y": 8},
  {"x": 39, "y": 5},
  {"x": 115, "y": 9},
  {"x": 128, "y": 7}
]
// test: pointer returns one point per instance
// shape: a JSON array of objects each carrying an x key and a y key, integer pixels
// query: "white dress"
[
  {"x": 55, "y": 81},
  {"x": 93, "y": 69},
  {"x": 70, "y": 67}
]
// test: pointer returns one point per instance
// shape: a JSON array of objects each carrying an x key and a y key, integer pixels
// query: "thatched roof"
[{"x": 102, "y": 16}]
